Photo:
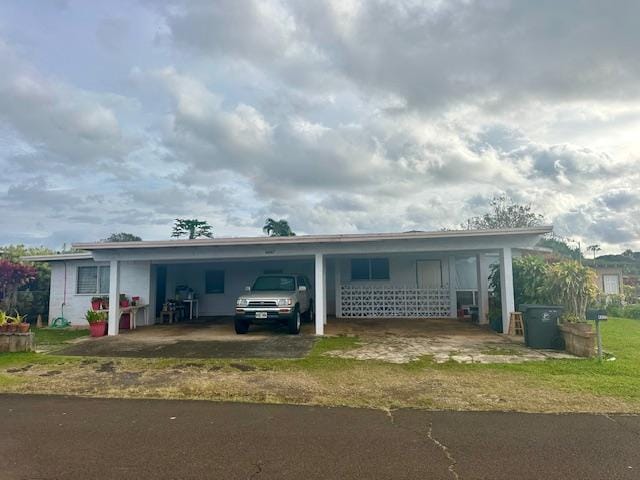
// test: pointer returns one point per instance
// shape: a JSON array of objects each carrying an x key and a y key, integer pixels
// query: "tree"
[
  {"x": 31, "y": 298},
  {"x": 561, "y": 247},
  {"x": 122, "y": 237},
  {"x": 594, "y": 248},
  {"x": 277, "y": 228},
  {"x": 192, "y": 228},
  {"x": 505, "y": 214},
  {"x": 13, "y": 276}
]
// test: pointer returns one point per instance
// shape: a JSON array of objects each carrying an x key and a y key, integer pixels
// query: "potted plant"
[
  {"x": 97, "y": 322},
  {"x": 124, "y": 301},
  {"x": 22, "y": 326},
  {"x": 3, "y": 322},
  {"x": 105, "y": 302},
  {"x": 96, "y": 303}
]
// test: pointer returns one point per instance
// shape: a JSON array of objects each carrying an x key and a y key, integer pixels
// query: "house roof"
[
  {"x": 57, "y": 257},
  {"x": 310, "y": 239}
]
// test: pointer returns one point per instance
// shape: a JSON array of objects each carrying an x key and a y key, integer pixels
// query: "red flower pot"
[
  {"x": 98, "y": 329},
  {"x": 124, "y": 303},
  {"x": 24, "y": 327},
  {"x": 96, "y": 305},
  {"x": 12, "y": 327}
]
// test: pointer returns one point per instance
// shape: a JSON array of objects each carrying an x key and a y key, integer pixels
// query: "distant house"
[{"x": 609, "y": 280}]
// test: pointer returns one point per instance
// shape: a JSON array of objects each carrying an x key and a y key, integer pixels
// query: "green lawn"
[{"x": 56, "y": 336}]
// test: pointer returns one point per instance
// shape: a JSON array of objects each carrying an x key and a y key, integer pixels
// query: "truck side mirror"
[
  {"x": 247, "y": 288},
  {"x": 302, "y": 288}
]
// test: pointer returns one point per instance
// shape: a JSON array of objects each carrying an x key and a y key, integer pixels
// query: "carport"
[{"x": 418, "y": 275}]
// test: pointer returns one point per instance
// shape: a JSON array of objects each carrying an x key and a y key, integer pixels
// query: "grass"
[
  {"x": 53, "y": 336},
  {"x": 319, "y": 379}
]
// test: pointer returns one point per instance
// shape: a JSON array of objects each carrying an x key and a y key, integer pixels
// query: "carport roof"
[{"x": 312, "y": 239}]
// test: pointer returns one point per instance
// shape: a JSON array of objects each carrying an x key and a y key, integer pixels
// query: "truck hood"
[{"x": 267, "y": 294}]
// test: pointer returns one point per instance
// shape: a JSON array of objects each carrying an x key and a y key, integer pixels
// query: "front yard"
[{"x": 324, "y": 379}]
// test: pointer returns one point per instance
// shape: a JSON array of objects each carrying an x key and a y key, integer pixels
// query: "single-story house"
[{"x": 413, "y": 274}]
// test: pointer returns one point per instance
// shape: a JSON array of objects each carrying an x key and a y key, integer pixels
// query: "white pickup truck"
[{"x": 282, "y": 297}]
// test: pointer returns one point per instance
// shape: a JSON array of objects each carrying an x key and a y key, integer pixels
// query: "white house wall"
[
  {"x": 134, "y": 281},
  {"x": 76, "y": 305}
]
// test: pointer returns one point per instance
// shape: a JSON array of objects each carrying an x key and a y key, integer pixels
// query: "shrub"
[
  {"x": 630, "y": 311},
  {"x": 572, "y": 285},
  {"x": 530, "y": 275}
]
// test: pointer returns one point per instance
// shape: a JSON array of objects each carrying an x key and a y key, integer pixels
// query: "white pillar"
[
  {"x": 321, "y": 296},
  {"x": 482, "y": 267},
  {"x": 453, "y": 300},
  {"x": 506, "y": 287},
  {"x": 337, "y": 267},
  {"x": 114, "y": 297}
]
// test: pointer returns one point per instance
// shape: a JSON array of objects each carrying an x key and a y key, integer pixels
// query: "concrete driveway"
[
  {"x": 80, "y": 438},
  {"x": 210, "y": 338}
]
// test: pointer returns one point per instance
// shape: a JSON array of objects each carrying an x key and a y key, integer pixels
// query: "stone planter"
[
  {"x": 16, "y": 342},
  {"x": 579, "y": 339}
]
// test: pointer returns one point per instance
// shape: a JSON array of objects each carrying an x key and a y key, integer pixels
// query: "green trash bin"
[{"x": 541, "y": 326}]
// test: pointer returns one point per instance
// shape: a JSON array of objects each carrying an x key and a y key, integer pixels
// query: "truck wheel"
[
  {"x": 294, "y": 322},
  {"x": 242, "y": 326}
]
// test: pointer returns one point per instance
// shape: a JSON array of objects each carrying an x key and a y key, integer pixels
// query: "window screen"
[
  {"x": 370, "y": 269},
  {"x": 379, "y": 269},
  {"x": 360, "y": 269},
  {"x": 87, "y": 280},
  {"x": 214, "y": 281},
  {"x": 93, "y": 280}
]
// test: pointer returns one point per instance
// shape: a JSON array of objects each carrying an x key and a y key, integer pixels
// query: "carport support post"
[
  {"x": 453, "y": 297},
  {"x": 114, "y": 297},
  {"x": 506, "y": 287},
  {"x": 320, "y": 299},
  {"x": 483, "y": 288}
]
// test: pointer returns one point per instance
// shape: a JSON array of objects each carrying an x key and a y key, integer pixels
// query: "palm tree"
[
  {"x": 277, "y": 228},
  {"x": 594, "y": 248}
]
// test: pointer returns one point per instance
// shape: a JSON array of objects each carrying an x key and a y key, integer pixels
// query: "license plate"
[{"x": 261, "y": 314}]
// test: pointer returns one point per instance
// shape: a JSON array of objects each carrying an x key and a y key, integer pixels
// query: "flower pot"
[
  {"x": 96, "y": 305},
  {"x": 98, "y": 329},
  {"x": 12, "y": 327},
  {"x": 124, "y": 303},
  {"x": 579, "y": 339},
  {"x": 24, "y": 327}
]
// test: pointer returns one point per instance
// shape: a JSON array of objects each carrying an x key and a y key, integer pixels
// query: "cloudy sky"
[{"x": 340, "y": 116}]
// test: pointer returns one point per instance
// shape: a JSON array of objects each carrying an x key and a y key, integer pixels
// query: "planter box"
[
  {"x": 16, "y": 342},
  {"x": 579, "y": 338}
]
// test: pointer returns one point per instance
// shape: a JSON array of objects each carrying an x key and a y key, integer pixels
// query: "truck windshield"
[{"x": 274, "y": 283}]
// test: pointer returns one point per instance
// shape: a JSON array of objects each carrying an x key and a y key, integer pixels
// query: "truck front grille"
[{"x": 262, "y": 303}]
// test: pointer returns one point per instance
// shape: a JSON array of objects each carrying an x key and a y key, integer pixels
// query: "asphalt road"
[{"x": 45, "y": 437}]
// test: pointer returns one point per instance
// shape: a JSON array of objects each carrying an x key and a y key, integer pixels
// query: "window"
[
  {"x": 277, "y": 283},
  {"x": 611, "y": 284},
  {"x": 370, "y": 269},
  {"x": 93, "y": 280},
  {"x": 214, "y": 281}
]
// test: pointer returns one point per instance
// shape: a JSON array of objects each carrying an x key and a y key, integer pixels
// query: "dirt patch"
[
  {"x": 51, "y": 373},
  {"x": 242, "y": 367},
  {"x": 108, "y": 367},
  {"x": 17, "y": 370}
]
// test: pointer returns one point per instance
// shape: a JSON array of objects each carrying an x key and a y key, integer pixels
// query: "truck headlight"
[
  {"x": 282, "y": 302},
  {"x": 242, "y": 302}
]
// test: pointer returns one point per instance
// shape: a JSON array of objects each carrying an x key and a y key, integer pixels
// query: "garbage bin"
[{"x": 541, "y": 326}]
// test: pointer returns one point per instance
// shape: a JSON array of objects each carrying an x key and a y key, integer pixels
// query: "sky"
[{"x": 340, "y": 116}]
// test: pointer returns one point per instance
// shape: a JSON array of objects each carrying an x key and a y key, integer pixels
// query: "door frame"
[{"x": 429, "y": 260}]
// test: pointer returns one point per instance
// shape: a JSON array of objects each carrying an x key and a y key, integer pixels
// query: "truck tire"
[
  {"x": 242, "y": 326},
  {"x": 294, "y": 321}
]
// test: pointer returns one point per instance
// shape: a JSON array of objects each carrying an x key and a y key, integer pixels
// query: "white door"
[
  {"x": 611, "y": 284},
  {"x": 429, "y": 273}
]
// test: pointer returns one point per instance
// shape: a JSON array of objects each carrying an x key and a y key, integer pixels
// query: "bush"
[
  {"x": 630, "y": 311},
  {"x": 530, "y": 275},
  {"x": 572, "y": 285}
]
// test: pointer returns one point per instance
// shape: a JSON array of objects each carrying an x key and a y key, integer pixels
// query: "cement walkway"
[{"x": 73, "y": 438}]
